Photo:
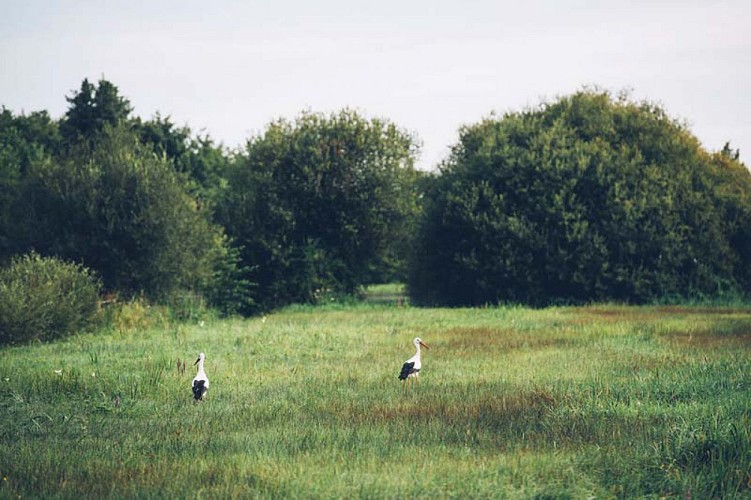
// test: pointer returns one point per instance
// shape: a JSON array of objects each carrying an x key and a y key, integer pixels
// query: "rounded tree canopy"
[
  {"x": 322, "y": 204},
  {"x": 587, "y": 198}
]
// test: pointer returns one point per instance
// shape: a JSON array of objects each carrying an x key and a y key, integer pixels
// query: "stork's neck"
[
  {"x": 417, "y": 349},
  {"x": 200, "y": 366}
]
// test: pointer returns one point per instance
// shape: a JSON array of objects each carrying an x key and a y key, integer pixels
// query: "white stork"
[
  {"x": 201, "y": 381},
  {"x": 411, "y": 367}
]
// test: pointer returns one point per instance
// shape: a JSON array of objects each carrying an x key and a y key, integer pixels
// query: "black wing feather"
[
  {"x": 406, "y": 370},
  {"x": 198, "y": 389}
]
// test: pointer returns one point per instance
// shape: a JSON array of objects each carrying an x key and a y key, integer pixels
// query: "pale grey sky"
[{"x": 229, "y": 67}]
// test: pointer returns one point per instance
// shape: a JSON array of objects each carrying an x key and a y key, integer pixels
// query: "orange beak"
[{"x": 424, "y": 345}]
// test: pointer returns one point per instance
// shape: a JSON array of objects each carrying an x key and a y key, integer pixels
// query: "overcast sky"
[{"x": 228, "y": 68}]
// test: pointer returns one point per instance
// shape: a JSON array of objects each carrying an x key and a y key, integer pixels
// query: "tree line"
[
  {"x": 317, "y": 206},
  {"x": 587, "y": 198}
]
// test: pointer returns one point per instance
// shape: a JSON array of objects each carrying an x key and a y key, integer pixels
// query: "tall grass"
[{"x": 565, "y": 402}]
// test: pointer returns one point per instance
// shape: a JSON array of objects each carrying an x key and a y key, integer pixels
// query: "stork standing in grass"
[
  {"x": 411, "y": 367},
  {"x": 201, "y": 381}
]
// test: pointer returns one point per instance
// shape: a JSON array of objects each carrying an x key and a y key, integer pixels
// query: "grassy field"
[{"x": 605, "y": 401}]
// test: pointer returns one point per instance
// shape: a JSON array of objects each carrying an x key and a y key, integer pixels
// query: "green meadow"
[{"x": 603, "y": 401}]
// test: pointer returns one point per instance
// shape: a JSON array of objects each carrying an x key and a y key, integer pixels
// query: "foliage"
[
  {"x": 231, "y": 289},
  {"x": 324, "y": 203},
  {"x": 589, "y": 198},
  {"x": 97, "y": 188},
  {"x": 24, "y": 140},
  {"x": 91, "y": 109},
  {"x": 164, "y": 136},
  {"x": 605, "y": 402},
  {"x": 202, "y": 161},
  {"x": 44, "y": 298},
  {"x": 113, "y": 205},
  {"x": 133, "y": 315}
]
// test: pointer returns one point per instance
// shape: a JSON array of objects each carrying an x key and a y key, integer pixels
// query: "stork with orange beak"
[{"x": 411, "y": 367}]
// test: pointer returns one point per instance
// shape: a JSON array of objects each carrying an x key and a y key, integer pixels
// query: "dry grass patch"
[
  {"x": 468, "y": 341},
  {"x": 706, "y": 339}
]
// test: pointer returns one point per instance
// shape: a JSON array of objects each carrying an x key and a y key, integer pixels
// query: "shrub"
[
  {"x": 43, "y": 298},
  {"x": 134, "y": 315}
]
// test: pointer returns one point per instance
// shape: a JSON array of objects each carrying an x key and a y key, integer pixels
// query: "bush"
[
  {"x": 44, "y": 298},
  {"x": 134, "y": 315}
]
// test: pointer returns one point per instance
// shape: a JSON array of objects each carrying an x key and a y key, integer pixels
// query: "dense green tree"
[
  {"x": 91, "y": 108},
  {"x": 587, "y": 198},
  {"x": 24, "y": 140},
  {"x": 320, "y": 204},
  {"x": 198, "y": 157},
  {"x": 120, "y": 210},
  {"x": 730, "y": 180},
  {"x": 165, "y": 137},
  {"x": 28, "y": 136}
]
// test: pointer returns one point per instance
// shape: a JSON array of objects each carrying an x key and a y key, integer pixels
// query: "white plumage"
[
  {"x": 411, "y": 367},
  {"x": 200, "y": 381}
]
